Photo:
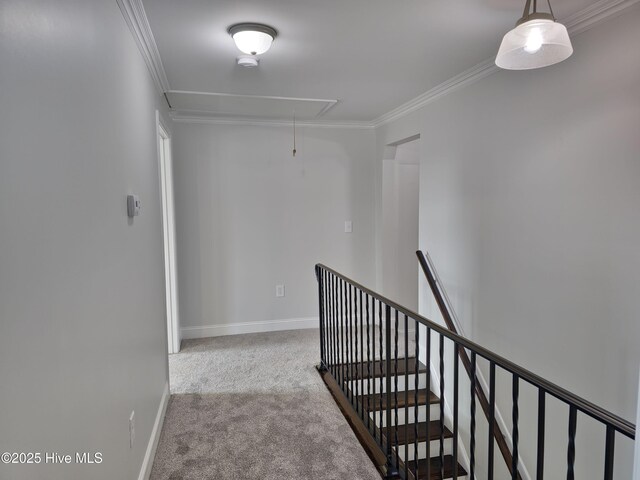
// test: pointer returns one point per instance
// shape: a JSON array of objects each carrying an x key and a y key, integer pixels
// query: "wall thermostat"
[{"x": 133, "y": 206}]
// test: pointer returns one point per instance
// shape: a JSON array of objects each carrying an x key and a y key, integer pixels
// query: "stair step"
[
  {"x": 407, "y": 433},
  {"x": 435, "y": 468},
  {"x": 377, "y": 369},
  {"x": 372, "y": 402}
]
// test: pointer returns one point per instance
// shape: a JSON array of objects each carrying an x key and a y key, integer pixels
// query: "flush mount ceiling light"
[
  {"x": 252, "y": 38},
  {"x": 537, "y": 41}
]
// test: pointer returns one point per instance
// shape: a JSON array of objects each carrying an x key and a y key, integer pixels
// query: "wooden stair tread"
[
  {"x": 407, "y": 433},
  {"x": 358, "y": 371},
  {"x": 372, "y": 402},
  {"x": 435, "y": 468}
]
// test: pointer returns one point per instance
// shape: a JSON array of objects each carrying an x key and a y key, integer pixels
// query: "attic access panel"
[{"x": 230, "y": 105}]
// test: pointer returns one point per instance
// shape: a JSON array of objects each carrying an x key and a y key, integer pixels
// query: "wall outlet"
[
  {"x": 279, "y": 290},
  {"x": 132, "y": 428},
  {"x": 348, "y": 226}
]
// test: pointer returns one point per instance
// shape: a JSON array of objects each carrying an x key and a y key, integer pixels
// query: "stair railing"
[
  {"x": 450, "y": 319},
  {"x": 359, "y": 347}
]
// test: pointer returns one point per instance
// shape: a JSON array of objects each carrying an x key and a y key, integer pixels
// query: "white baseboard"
[
  {"x": 147, "y": 463},
  {"x": 248, "y": 327}
]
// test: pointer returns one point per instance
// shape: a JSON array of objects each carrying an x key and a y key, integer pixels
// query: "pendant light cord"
[
  {"x": 294, "y": 133},
  {"x": 527, "y": 9},
  {"x": 551, "y": 10}
]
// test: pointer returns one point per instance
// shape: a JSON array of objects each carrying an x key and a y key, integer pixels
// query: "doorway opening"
[
  {"x": 400, "y": 220},
  {"x": 169, "y": 235}
]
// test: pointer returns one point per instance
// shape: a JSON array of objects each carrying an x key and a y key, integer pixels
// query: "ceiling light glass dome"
[{"x": 252, "y": 38}]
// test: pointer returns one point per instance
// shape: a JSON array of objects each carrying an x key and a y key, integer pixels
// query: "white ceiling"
[{"x": 370, "y": 55}]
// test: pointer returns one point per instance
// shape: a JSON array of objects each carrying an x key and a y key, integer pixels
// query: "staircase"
[
  {"x": 369, "y": 349},
  {"x": 415, "y": 416}
]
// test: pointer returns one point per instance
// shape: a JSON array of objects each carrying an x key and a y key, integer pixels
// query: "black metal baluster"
[
  {"x": 347, "y": 307},
  {"x": 369, "y": 392},
  {"x": 334, "y": 308},
  {"x": 406, "y": 396},
  {"x": 336, "y": 338},
  {"x": 609, "y": 453},
  {"x": 354, "y": 352},
  {"x": 416, "y": 385},
  {"x": 455, "y": 410},
  {"x": 362, "y": 411},
  {"x": 571, "y": 449},
  {"x": 472, "y": 427},
  {"x": 381, "y": 369},
  {"x": 492, "y": 416},
  {"x": 343, "y": 371},
  {"x": 428, "y": 410},
  {"x": 541, "y": 425},
  {"x": 395, "y": 390},
  {"x": 355, "y": 347},
  {"x": 515, "y": 391},
  {"x": 441, "y": 352},
  {"x": 336, "y": 330},
  {"x": 387, "y": 374},
  {"x": 332, "y": 343},
  {"x": 327, "y": 314},
  {"x": 323, "y": 360},
  {"x": 354, "y": 344}
]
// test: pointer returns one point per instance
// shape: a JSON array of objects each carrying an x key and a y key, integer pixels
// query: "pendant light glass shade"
[
  {"x": 252, "y": 38},
  {"x": 537, "y": 41},
  {"x": 534, "y": 43}
]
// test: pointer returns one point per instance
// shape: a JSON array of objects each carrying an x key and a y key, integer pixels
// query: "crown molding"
[
  {"x": 180, "y": 116},
  {"x": 595, "y": 14},
  {"x": 136, "y": 18},
  {"x": 580, "y": 22},
  {"x": 474, "y": 74}
]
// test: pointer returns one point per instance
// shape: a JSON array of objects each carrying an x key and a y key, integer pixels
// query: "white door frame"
[{"x": 169, "y": 235}]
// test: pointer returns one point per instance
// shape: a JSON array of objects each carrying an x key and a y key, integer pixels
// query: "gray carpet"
[
  {"x": 276, "y": 362},
  {"x": 254, "y": 407}
]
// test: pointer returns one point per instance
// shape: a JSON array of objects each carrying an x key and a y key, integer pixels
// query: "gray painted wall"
[
  {"x": 250, "y": 216},
  {"x": 529, "y": 195},
  {"x": 82, "y": 320}
]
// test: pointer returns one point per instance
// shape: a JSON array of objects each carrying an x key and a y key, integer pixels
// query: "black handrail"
[
  {"x": 440, "y": 295},
  {"x": 598, "y": 413}
]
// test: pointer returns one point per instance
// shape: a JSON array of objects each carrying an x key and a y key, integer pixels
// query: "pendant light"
[{"x": 538, "y": 40}]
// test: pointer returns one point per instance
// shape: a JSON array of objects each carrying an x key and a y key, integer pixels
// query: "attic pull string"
[{"x": 294, "y": 133}]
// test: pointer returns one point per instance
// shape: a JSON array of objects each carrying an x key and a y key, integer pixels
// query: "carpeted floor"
[{"x": 254, "y": 407}]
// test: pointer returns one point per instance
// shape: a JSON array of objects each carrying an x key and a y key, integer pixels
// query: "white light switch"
[
  {"x": 279, "y": 290},
  {"x": 348, "y": 226}
]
